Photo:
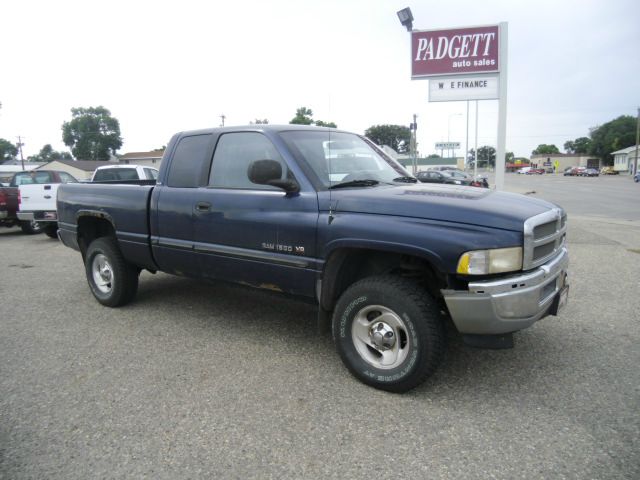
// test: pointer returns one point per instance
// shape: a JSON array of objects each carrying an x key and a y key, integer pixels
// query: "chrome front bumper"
[{"x": 511, "y": 303}]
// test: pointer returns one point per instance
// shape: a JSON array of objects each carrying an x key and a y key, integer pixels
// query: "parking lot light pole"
[{"x": 449, "y": 129}]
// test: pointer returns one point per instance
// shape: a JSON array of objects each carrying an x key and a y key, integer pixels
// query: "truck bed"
[{"x": 126, "y": 206}]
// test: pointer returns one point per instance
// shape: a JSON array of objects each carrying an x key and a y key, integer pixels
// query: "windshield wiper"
[
  {"x": 356, "y": 183},
  {"x": 406, "y": 179}
]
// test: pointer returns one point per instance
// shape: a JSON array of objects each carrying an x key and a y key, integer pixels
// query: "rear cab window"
[{"x": 190, "y": 162}]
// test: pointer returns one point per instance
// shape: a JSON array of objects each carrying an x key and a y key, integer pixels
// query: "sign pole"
[
  {"x": 502, "y": 108},
  {"x": 475, "y": 150}
]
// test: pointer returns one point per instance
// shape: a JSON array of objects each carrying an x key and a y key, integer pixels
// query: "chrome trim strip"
[{"x": 227, "y": 251}]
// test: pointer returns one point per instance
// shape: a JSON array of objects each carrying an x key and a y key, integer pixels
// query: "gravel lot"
[{"x": 216, "y": 381}]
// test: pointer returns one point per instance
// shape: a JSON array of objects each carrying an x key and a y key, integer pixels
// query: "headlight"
[{"x": 484, "y": 262}]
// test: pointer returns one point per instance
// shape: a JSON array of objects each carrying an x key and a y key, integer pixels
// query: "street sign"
[
  {"x": 455, "y": 51},
  {"x": 447, "y": 145},
  {"x": 474, "y": 87}
]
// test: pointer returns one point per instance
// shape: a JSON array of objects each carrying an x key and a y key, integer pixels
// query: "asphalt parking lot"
[{"x": 200, "y": 380}]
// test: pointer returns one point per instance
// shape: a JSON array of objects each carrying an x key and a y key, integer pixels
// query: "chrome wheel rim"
[
  {"x": 102, "y": 273},
  {"x": 380, "y": 337}
]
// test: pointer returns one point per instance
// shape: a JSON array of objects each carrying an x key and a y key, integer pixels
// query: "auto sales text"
[{"x": 458, "y": 48}]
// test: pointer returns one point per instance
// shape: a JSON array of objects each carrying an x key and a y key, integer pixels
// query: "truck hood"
[{"x": 449, "y": 203}]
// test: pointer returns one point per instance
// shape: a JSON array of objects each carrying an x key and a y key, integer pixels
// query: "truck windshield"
[{"x": 337, "y": 157}]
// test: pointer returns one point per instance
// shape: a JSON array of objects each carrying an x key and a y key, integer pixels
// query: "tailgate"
[{"x": 38, "y": 197}]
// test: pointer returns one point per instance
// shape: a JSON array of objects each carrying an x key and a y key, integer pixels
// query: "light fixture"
[{"x": 406, "y": 18}]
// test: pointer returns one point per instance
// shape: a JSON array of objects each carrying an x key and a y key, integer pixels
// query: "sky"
[{"x": 163, "y": 67}]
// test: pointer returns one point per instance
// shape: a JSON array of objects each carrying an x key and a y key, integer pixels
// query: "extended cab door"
[
  {"x": 249, "y": 233},
  {"x": 172, "y": 206}
]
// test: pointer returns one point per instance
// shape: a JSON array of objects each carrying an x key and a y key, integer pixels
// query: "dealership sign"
[
  {"x": 447, "y": 145},
  {"x": 474, "y": 87},
  {"x": 455, "y": 51}
]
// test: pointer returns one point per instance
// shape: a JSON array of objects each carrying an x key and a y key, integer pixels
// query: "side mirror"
[{"x": 269, "y": 172}]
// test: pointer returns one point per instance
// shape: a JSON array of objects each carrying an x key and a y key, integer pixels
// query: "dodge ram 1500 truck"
[{"x": 326, "y": 215}]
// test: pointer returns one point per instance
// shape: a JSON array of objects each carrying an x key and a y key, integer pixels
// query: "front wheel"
[
  {"x": 388, "y": 333},
  {"x": 113, "y": 281}
]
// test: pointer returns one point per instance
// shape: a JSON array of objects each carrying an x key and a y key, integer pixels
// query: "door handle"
[
  {"x": 203, "y": 207},
  {"x": 47, "y": 197}
]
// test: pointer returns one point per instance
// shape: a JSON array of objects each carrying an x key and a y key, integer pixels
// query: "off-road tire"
[
  {"x": 415, "y": 319},
  {"x": 117, "y": 283},
  {"x": 51, "y": 231}
]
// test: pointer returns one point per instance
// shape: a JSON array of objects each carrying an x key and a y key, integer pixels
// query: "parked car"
[
  {"x": 120, "y": 173},
  {"x": 536, "y": 171},
  {"x": 590, "y": 172},
  {"x": 608, "y": 171},
  {"x": 444, "y": 176},
  {"x": 37, "y": 199},
  {"x": 479, "y": 181},
  {"x": 10, "y": 198},
  {"x": 574, "y": 171},
  {"x": 636, "y": 177},
  {"x": 524, "y": 170}
]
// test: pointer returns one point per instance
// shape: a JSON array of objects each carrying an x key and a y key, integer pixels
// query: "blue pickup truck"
[{"x": 326, "y": 215}]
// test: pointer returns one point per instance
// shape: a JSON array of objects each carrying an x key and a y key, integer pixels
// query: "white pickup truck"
[
  {"x": 119, "y": 173},
  {"x": 37, "y": 199}
]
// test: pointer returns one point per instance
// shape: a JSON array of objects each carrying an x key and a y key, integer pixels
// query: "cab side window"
[
  {"x": 189, "y": 161},
  {"x": 234, "y": 153}
]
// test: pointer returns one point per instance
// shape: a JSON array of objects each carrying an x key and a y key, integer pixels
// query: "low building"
[
  {"x": 149, "y": 159},
  {"x": 80, "y": 169},
  {"x": 561, "y": 161},
  {"x": 625, "y": 160}
]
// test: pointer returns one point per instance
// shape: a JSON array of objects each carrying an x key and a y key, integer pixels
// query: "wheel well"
[
  {"x": 90, "y": 228},
  {"x": 348, "y": 265}
]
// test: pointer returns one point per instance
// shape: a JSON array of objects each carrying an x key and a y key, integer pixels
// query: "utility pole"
[
  {"x": 20, "y": 144},
  {"x": 635, "y": 164},
  {"x": 222, "y": 117},
  {"x": 413, "y": 145}
]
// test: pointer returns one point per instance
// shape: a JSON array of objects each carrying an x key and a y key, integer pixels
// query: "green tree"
[
  {"x": 303, "y": 116},
  {"x": 92, "y": 133},
  {"x": 579, "y": 145},
  {"x": 397, "y": 137},
  {"x": 486, "y": 156},
  {"x": 544, "y": 149},
  {"x": 614, "y": 135},
  {"x": 48, "y": 154},
  {"x": 320, "y": 123},
  {"x": 8, "y": 150},
  {"x": 509, "y": 157}
]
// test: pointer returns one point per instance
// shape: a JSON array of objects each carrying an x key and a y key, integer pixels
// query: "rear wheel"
[
  {"x": 388, "y": 332},
  {"x": 113, "y": 281},
  {"x": 51, "y": 230},
  {"x": 30, "y": 227}
]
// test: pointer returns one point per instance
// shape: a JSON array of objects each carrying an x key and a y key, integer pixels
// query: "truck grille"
[{"x": 544, "y": 237}]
